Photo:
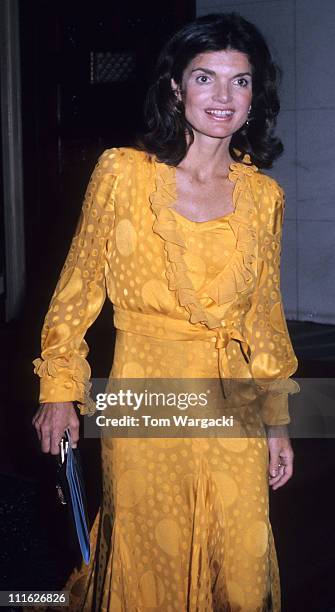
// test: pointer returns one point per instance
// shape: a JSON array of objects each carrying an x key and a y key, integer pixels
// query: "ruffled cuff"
[
  {"x": 275, "y": 404},
  {"x": 65, "y": 379}
]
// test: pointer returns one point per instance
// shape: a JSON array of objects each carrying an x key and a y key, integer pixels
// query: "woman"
[{"x": 183, "y": 235}]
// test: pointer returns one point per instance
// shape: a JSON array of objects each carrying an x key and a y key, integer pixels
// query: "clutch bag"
[{"x": 71, "y": 491}]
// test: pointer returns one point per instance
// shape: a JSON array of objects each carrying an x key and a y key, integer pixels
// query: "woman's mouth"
[{"x": 220, "y": 114}]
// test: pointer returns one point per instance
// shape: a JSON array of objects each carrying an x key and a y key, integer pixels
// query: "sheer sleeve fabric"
[
  {"x": 79, "y": 295},
  {"x": 273, "y": 360}
]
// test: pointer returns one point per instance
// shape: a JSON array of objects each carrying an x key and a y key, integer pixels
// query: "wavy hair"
[{"x": 165, "y": 119}]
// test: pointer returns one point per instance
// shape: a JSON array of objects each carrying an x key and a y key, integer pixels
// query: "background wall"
[{"x": 301, "y": 34}]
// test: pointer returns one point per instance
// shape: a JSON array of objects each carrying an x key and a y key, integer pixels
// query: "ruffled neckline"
[
  {"x": 235, "y": 169},
  {"x": 239, "y": 271}
]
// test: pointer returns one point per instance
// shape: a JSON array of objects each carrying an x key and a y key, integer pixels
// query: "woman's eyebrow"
[
  {"x": 207, "y": 70},
  {"x": 212, "y": 72}
]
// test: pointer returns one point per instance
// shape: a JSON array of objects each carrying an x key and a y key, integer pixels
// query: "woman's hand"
[
  {"x": 281, "y": 456},
  {"x": 50, "y": 422}
]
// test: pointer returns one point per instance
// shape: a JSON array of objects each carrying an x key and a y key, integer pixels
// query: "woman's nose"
[{"x": 222, "y": 92}]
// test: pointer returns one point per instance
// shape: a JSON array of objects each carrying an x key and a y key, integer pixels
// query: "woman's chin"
[
  {"x": 217, "y": 132},
  {"x": 215, "y": 128}
]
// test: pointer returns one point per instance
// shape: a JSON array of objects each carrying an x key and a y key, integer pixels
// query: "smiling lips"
[{"x": 219, "y": 113}]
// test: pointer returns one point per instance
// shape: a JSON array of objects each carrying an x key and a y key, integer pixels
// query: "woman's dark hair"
[{"x": 166, "y": 123}]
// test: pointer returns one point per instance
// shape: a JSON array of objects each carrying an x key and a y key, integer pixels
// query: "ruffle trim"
[
  {"x": 239, "y": 271},
  {"x": 58, "y": 366},
  {"x": 278, "y": 387}
]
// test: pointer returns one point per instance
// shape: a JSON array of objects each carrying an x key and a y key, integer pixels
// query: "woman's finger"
[
  {"x": 281, "y": 482},
  {"x": 280, "y": 472},
  {"x": 286, "y": 475},
  {"x": 45, "y": 439},
  {"x": 38, "y": 431},
  {"x": 274, "y": 461},
  {"x": 56, "y": 437},
  {"x": 37, "y": 426},
  {"x": 74, "y": 433}
]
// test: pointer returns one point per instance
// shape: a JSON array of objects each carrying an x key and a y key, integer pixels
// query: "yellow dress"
[{"x": 183, "y": 523}]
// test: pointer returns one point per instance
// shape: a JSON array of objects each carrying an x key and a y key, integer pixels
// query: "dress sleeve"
[
  {"x": 272, "y": 357},
  {"x": 79, "y": 295}
]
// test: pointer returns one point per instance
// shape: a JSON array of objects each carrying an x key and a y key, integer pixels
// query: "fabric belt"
[{"x": 164, "y": 328}]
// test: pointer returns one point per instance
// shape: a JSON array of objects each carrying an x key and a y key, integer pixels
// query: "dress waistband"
[{"x": 180, "y": 329}]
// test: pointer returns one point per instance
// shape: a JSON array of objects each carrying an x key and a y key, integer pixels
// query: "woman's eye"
[
  {"x": 242, "y": 82},
  {"x": 203, "y": 78}
]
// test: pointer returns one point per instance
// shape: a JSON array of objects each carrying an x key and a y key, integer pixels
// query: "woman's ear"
[{"x": 176, "y": 90}]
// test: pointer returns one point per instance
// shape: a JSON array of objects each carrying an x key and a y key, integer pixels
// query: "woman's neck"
[{"x": 207, "y": 157}]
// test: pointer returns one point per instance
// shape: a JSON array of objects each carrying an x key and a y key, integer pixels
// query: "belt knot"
[{"x": 228, "y": 333}]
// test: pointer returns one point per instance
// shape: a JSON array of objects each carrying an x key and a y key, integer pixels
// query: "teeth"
[{"x": 220, "y": 113}]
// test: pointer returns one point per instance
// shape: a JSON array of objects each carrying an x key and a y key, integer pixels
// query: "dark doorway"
[{"x": 85, "y": 70}]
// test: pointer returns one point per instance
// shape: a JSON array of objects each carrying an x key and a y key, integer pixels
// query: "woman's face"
[{"x": 216, "y": 91}]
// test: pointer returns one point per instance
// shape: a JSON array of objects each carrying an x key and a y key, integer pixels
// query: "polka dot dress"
[{"x": 183, "y": 523}]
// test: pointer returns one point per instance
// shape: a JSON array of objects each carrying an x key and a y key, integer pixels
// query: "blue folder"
[{"x": 75, "y": 494}]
